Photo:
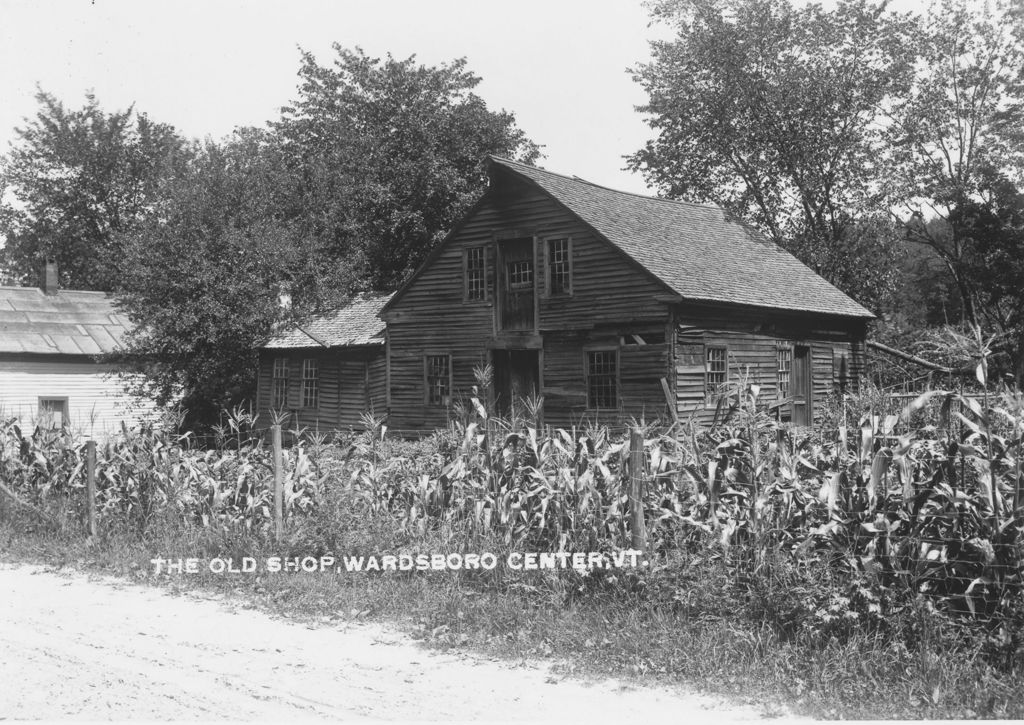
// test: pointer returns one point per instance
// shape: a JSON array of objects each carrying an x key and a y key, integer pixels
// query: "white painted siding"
[{"x": 97, "y": 402}]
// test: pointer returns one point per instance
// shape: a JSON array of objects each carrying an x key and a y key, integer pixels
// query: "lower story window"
[
  {"x": 602, "y": 379},
  {"x": 785, "y": 367},
  {"x": 53, "y": 412},
  {"x": 717, "y": 370},
  {"x": 279, "y": 388},
  {"x": 310, "y": 383},
  {"x": 438, "y": 380}
]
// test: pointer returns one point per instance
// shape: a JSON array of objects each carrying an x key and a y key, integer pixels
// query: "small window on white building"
[{"x": 53, "y": 412}]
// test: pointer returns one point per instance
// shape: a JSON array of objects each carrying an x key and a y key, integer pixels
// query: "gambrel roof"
[
  {"x": 696, "y": 250},
  {"x": 356, "y": 322},
  {"x": 67, "y": 322}
]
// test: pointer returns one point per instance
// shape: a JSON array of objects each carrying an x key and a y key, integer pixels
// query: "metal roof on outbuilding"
[{"x": 67, "y": 322}]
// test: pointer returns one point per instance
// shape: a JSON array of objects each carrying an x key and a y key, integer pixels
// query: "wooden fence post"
[
  {"x": 636, "y": 489},
  {"x": 90, "y": 483},
  {"x": 275, "y": 434}
]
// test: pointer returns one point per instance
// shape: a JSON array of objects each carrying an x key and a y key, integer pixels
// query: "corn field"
[
  {"x": 923, "y": 505},
  {"x": 154, "y": 470}
]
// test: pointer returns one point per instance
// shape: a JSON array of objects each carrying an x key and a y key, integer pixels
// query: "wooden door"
[
  {"x": 802, "y": 386},
  {"x": 518, "y": 280}
]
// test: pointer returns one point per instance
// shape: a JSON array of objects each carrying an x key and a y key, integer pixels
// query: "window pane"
[
  {"x": 476, "y": 271},
  {"x": 52, "y": 412},
  {"x": 785, "y": 358},
  {"x": 279, "y": 387},
  {"x": 602, "y": 379},
  {"x": 520, "y": 273},
  {"x": 716, "y": 368},
  {"x": 438, "y": 380},
  {"x": 310, "y": 383},
  {"x": 558, "y": 258}
]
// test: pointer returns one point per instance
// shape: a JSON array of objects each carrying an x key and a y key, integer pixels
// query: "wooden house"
[
  {"x": 50, "y": 371},
  {"x": 612, "y": 305},
  {"x": 325, "y": 374}
]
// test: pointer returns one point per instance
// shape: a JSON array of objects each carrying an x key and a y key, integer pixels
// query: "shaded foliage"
[{"x": 200, "y": 277}]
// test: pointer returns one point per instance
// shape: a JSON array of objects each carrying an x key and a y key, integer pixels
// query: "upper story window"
[
  {"x": 279, "y": 384},
  {"x": 438, "y": 379},
  {"x": 520, "y": 273},
  {"x": 475, "y": 263},
  {"x": 310, "y": 383},
  {"x": 602, "y": 379},
  {"x": 559, "y": 254},
  {"x": 716, "y": 368}
]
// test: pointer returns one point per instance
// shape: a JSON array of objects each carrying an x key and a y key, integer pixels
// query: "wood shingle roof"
[
  {"x": 696, "y": 250},
  {"x": 356, "y": 322}
]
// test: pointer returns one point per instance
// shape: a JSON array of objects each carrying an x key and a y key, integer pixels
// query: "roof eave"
[{"x": 863, "y": 315}]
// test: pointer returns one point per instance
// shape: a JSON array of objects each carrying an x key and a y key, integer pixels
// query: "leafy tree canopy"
[
  {"x": 388, "y": 154},
  {"x": 201, "y": 272},
  {"x": 955, "y": 139},
  {"x": 768, "y": 109},
  {"x": 74, "y": 179},
  {"x": 349, "y": 189}
]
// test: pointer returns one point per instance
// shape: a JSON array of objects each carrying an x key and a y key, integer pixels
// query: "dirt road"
[{"x": 77, "y": 647}]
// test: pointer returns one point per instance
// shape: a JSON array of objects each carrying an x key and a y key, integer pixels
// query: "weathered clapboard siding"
[
  {"x": 752, "y": 339},
  {"x": 345, "y": 387},
  {"x": 610, "y": 297},
  {"x": 433, "y": 319},
  {"x": 637, "y": 265},
  {"x": 97, "y": 401},
  {"x": 376, "y": 387}
]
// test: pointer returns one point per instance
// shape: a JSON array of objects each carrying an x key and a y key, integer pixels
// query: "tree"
[
  {"x": 957, "y": 135},
  {"x": 200, "y": 275},
  {"x": 77, "y": 178},
  {"x": 389, "y": 154},
  {"x": 769, "y": 110},
  {"x": 349, "y": 189},
  {"x": 995, "y": 266}
]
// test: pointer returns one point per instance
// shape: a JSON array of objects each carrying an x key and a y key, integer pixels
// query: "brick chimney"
[{"x": 50, "y": 277}]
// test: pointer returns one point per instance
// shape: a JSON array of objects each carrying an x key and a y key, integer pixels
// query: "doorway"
[{"x": 516, "y": 376}]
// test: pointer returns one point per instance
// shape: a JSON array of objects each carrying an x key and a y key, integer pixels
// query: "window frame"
[
  {"x": 284, "y": 380},
  {"x": 549, "y": 267},
  {"x": 64, "y": 401},
  {"x": 616, "y": 377},
  {"x": 781, "y": 348},
  {"x": 440, "y": 404},
  {"x": 466, "y": 252},
  {"x": 310, "y": 382},
  {"x": 712, "y": 392}
]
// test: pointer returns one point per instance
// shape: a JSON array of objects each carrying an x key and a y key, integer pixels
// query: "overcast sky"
[{"x": 207, "y": 67}]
